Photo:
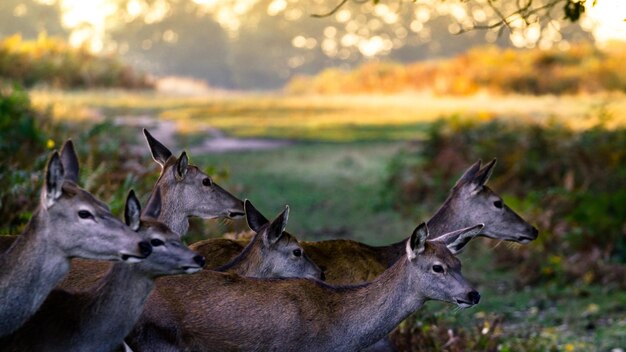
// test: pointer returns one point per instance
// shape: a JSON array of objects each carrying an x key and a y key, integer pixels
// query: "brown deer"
[
  {"x": 68, "y": 223},
  {"x": 226, "y": 312},
  {"x": 186, "y": 191},
  {"x": 347, "y": 262},
  {"x": 272, "y": 252},
  {"x": 100, "y": 318}
]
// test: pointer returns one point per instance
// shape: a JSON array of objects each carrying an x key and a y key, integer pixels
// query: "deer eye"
[
  {"x": 207, "y": 182},
  {"x": 498, "y": 204},
  {"x": 438, "y": 268},
  {"x": 155, "y": 242},
  {"x": 297, "y": 252},
  {"x": 84, "y": 214}
]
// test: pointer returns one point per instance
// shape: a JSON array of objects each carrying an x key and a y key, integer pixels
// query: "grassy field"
[
  {"x": 333, "y": 177},
  {"x": 324, "y": 118}
]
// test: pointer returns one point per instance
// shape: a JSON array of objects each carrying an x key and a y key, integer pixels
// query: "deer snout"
[
  {"x": 473, "y": 297},
  {"x": 199, "y": 260},
  {"x": 529, "y": 235},
  {"x": 322, "y": 275},
  {"x": 145, "y": 249},
  {"x": 534, "y": 232}
]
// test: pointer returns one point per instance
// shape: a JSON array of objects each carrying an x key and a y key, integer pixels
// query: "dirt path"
[{"x": 215, "y": 142}]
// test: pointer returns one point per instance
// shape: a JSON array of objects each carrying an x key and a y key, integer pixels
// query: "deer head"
[
  {"x": 169, "y": 255},
  {"x": 476, "y": 203},
  {"x": 83, "y": 226},
  {"x": 185, "y": 191},
  {"x": 435, "y": 268},
  {"x": 280, "y": 254}
]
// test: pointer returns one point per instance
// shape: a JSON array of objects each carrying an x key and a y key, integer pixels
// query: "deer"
[
  {"x": 347, "y": 262},
  {"x": 68, "y": 223},
  {"x": 226, "y": 312},
  {"x": 98, "y": 319},
  {"x": 272, "y": 252},
  {"x": 184, "y": 191}
]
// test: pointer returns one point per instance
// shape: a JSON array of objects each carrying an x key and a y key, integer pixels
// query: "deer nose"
[
  {"x": 199, "y": 260},
  {"x": 535, "y": 232},
  {"x": 322, "y": 276},
  {"x": 145, "y": 248},
  {"x": 474, "y": 297}
]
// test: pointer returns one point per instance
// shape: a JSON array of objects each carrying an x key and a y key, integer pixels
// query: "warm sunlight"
[
  {"x": 88, "y": 21},
  {"x": 607, "y": 20}
]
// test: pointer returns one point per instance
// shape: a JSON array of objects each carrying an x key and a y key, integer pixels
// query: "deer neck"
[
  {"x": 29, "y": 270},
  {"x": 446, "y": 219},
  {"x": 115, "y": 307},
  {"x": 372, "y": 310},
  {"x": 174, "y": 219},
  {"x": 247, "y": 263},
  {"x": 171, "y": 212}
]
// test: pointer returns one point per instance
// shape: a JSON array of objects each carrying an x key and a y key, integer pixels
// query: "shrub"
[
  {"x": 21, "y": 143},
  {"x": 581, "y": 69},
  {"x": 53, "y": 62}
]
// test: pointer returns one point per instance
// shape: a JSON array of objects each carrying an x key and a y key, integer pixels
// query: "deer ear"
[
  {"x": 482, "y": 176},
  {"x": 415, "y": 243},
  {"x": 468, "y": 175},
  {"x": 255, "y": 219},
  {"x": 69, "y": 161},
  {"x": 55, "y": 176},
  {"x": 182, "y": 165},
  {"x": 275, "y": 230},
  {"x": 159, "y": 152},
  {"x": 153, "y": 208},
  {"x": 456, "y": 240},
  {"x": 132, "y": 212}
]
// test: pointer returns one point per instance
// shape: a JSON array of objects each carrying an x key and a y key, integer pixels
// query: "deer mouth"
[
  {"x": 235, "y": 214},
  {"x": 525, "y": 240},
  {"x": 463, "y": 304},
  {"x": 132, "y": 258},
  {"x": 190, "y": 269},
  {"x": 534, "y": 233}
]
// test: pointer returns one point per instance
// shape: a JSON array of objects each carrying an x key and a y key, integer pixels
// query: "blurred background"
[{"x": 361, "y": 115}]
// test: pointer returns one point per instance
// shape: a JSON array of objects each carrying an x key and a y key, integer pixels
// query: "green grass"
[
  {"x": 315, "y": 118},
  {"x": 333, "y": 189}
]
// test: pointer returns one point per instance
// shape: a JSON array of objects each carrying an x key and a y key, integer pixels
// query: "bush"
[
  {"x": 22, "y": 143},
  {"x": 581, "y": 69},
  {"x": 26, "y": 139},
  {"x": 53, "y": 62},
  {"x": 570, "y": 184}
]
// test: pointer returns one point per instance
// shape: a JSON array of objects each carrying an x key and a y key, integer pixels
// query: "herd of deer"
[{"x": 272, "y": 292}]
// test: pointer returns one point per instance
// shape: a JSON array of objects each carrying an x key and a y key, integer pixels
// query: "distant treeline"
[
  {"x": 583, "y": 68},
  {"x": 53, "y": 62}
]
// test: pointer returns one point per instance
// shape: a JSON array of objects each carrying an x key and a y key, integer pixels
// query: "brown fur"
[{"x": 226, "y": 312}]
